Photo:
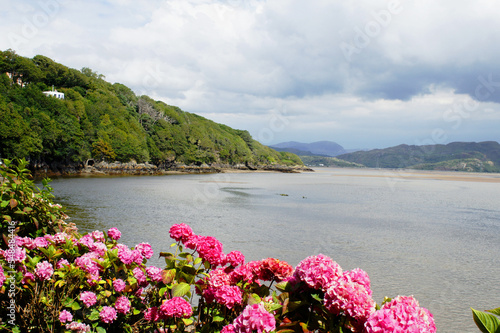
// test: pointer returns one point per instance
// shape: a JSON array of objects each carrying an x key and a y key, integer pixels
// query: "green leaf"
[
  {"x": 100, "y": 329},
  {"x": 75, "y": 306},
  {"x": 180, "y": 289},
  {"x": 486, "y": 322},
  {"x": 494, "y": 311},
  {"x": 187, "y": 321},
  {"x": 316, "y": 297},
  {"x": 94, "y": 315},
  {"x": 218, "y": 319}
]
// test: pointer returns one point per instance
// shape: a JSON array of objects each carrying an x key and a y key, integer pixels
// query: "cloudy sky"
[{"x": 365, "y": 73}]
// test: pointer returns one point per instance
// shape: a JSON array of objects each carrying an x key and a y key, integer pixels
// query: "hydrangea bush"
[{"x": 59, "y": 280}]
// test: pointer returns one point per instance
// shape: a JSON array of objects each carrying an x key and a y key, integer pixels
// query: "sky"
[{"x": 365, "y": 74}]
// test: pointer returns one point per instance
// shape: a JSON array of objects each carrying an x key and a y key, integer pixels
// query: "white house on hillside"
[{"x": 54, "y": 93}]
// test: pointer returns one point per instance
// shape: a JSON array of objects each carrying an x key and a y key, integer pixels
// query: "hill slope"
[
  {"x": 108, "y": 122},
  {"x": 319, "y": 148},
  {"x": 458, "y": 156}
]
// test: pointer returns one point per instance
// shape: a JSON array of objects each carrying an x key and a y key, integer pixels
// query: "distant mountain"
[
  {"x": 456, "y": 156},
  {"x": 319, "y": 148}
]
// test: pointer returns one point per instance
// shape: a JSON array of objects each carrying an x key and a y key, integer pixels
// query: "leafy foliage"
[
  {"x": 108, "y": 122},
  {"x": 486, "y": 321}
]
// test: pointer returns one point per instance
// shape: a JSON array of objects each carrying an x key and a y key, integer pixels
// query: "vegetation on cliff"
[{"x": 108, "y": 122}]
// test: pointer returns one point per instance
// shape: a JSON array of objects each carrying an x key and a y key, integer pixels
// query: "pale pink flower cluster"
[
  {"x": 176, "y": 307},
  {"x": 107, "y": 314},
  {"x": 228, "y": 296},
  {"x": 402, "y": 314},
  {"x": 44, "y": 270},
  {"x": 88, "y": 298},
  {"x": 154, "y": 273},
  {"x": 318, "y": 272},
  {"x": 65, "y": 316},
  {"x": 254, "y": 318},
  {"x": 78, "y": 327}
]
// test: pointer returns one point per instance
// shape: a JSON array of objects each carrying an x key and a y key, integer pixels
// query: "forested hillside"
[{"x": 103, "y": 121}]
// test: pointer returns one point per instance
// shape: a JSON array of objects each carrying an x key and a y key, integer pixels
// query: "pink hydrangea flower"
[
  {"x": 235, "y": 258},
  {"x": 318, "y": 272},
  {"x": 176, "y": 307},
  {"x": 26, "y": 242},
  {"x": 61, "y": 263},
  {"x": 65, "y": 316},
  {"x": 402, "y": 314},
  {"x": 122, "y": 304},
  {"x": 154, "y": 273},
  {"x": 254, "y": 318},
  {"x": 145, "y": 249},
  {"x": 125, "y": 255},
  {"x": 114, "y": 233},
  {"x": 228, "y": 329},
  {"x": 140, "y": 276},
  {"x": 119, "y": 285},
  {"x": 44, "y": 270},
  {"x": 99, "y": 248},
  {"x": 228, "y": 296},
  {"x": 359, "y": 276},
  {"x": 27, "y": 277},
  {"x": 152, "y": 314},
  {"x": 248, "y": 273},
  {"x": 88, "y": 298},
  {"x": 180, "y": 232},
  {"x": 78, "y": 327},
  {"x": 60, "y": 238},
  {"x": 41, "y": 242},
  {"x": 2, "y": 276},
  {"x": 350, "y": 299},
  {"x": 274, "y": 269},
  {"x": 98, "y": 236},
  {"x": 88, "y": 263},
  {"x": 137, "y": 256},
  {"x": 107, "y": 314},
  {"x": 210, "y": 249}
]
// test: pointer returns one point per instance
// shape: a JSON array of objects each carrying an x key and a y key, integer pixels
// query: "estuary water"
[{"x": 429, "y": 234}]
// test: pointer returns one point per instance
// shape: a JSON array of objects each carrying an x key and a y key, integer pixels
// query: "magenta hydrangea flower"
[
  {"x": 359, "y": 276},
  {"x": 65, "y": 316},
  {"x": 228, "y": 329},
  {"x": 140, "y": 276},
  {"x": 248, "y": 273},
  {"x": 235, "y": 258},
  {"x": 254, "y": 318},
  {"x": 114, "y": 233},
  {"x": 122, "y": 304},
  {"x": 145, "y": 249},
  {"x": 27, "y": 277},
  {"x": 176, "y": 307},
  {"x": 2, "y": 276},
  {"x": 274, "y": 269},
  {"x": 152, "y": 314},
  {"x": 318, "y": 272},
  {"x": 26, "y": 242},
  {"x": 88, "y": 298},
  {"x": 154, "y": 273},
  {"x": 119, "y": 285},
  {"x": 210, "y": 249},
  {"x": 44, "y": 270},
  {"x": 402, "y": 314},
  {"x": 99, "y": 248},
  {"x": 107, "y": 314},
  {"x": 228, "y": 296},
  {"x": 350, "y": 299},
  {"x": 137, "y": 256},
  {"x": 86, "y": 240},
  {"x": 180, "y": 232}
]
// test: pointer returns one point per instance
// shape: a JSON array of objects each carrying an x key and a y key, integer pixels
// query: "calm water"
[{"x": 436, "y": 239}]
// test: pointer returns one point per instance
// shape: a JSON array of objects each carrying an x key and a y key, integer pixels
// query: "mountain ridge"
[{"x": 318, "y": 148}]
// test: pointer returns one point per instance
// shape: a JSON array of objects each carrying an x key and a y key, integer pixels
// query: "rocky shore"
[{"x": 92, "y": 168}]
